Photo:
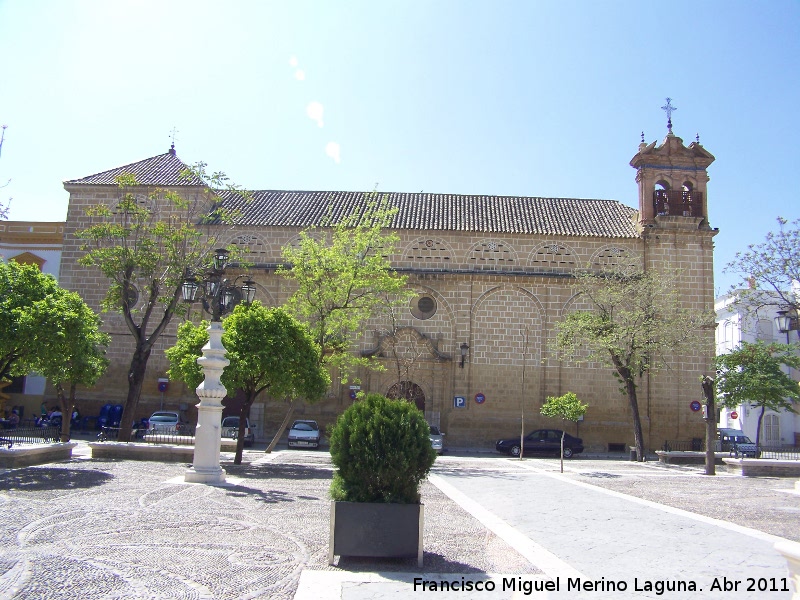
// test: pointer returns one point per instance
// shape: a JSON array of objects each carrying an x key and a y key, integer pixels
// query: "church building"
[{"x": 491, "y": 275}]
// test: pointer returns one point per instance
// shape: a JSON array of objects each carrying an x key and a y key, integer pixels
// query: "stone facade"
[{"x": 498, "y": 290}]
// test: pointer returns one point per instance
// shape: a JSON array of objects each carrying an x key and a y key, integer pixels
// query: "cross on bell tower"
[
  {"x": 669, "y": 109},
  {"x": 672, "y": 180}
]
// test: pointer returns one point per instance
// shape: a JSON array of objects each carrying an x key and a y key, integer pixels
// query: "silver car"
[
  {"x": 304, "y": 434},
  {"x": 167, "y": 421},
  {"x": 437, "y": 439}
]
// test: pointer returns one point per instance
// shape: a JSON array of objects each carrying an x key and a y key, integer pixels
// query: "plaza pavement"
[{"x": 126, "y": 529}]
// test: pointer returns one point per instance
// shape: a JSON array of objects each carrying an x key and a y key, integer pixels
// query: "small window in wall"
[{"x": 423, "y": 306}]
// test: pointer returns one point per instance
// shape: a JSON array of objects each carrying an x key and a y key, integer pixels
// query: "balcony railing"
[{"x": 679, "y": 203}]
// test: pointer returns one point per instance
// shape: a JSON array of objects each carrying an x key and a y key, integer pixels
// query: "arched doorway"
[{"x": 408, "y": 390}]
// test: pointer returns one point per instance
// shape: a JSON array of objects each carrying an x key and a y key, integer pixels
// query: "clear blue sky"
[{"x": 538, "y": 98}]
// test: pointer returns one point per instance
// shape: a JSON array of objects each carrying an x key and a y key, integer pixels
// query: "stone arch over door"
[{"x": 408, "y": 390}]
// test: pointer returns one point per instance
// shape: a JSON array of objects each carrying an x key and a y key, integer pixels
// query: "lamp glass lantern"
[
  {"x": 464, "y": 350},
  {"x": 221, "y": 259},
  {"x": 786, "y": 321},
  {"x": 249, "y": 291},
  {"x": 189, "y": 289}
]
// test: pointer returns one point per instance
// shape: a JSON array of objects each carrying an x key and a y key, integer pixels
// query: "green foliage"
[
  {"x": 566, "y": 407},
  {"x": 21, "y": 287},
  {"x": 636, "y": 322},
  {"x": 751, "y": 374},
  {"x": 70, "y": 348},
  {"x": 183, "y": 355},
  {"x": 268, "y": 349},
  {"x": 144, "y": 244},
  {"x": 343, "y": 278},
  {"x": 381, "y": 449}
]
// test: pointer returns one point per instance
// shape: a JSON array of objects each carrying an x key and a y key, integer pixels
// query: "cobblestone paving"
[{"x": 126, "y": 529}]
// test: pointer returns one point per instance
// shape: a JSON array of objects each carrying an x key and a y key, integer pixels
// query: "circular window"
[{"x": 423, "y": 307}]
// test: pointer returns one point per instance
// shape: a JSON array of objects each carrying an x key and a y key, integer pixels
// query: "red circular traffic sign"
[
  {"x": 480, "y": 398},
  {"x": 734, "y": 415},
  {"x": 695, "y": 405}
]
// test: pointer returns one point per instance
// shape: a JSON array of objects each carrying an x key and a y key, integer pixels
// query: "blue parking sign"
[{"x": 459, "y": 402}]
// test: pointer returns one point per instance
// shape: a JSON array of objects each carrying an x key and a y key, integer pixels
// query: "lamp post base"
[{"x": 205, "y": 475}]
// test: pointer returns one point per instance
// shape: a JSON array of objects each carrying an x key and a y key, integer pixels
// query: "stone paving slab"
[
  {"x": 622, "y": 541},
  {"x": 125, "y": 529}
]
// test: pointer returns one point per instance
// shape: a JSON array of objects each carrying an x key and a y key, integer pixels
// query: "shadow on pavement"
[
  {"x": 34, "y": 479},
  {"x": 278, "y": 471},
  {"x": 432, "y": 563}
]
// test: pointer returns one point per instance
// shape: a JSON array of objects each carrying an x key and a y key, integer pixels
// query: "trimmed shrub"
[{"x": 381, "y": 449}]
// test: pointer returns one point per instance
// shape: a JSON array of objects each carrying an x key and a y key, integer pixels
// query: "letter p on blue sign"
[{"x": 459, "y": 402}]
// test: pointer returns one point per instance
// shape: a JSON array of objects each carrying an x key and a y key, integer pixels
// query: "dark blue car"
[{"x": 541, "y": 441}]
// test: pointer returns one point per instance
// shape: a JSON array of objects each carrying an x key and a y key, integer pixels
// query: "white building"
[
  {"x": 31, "y": 243},
  {"x": 734, "y": 326}
]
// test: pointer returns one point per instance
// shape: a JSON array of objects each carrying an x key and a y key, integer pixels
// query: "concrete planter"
[
  {"x": 26, "y": 456},
  {"x": 376, "y": 530}
]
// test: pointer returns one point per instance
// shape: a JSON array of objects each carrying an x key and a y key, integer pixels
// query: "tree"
[
  {"x": 751, "y": 374},
  {"x": 70, "y": 348},
  {"x": 269, "y": 351},
  {"x": 21, "y": 286},
  {"x": 635, "y": 323},
  {"x": 145, "y": 245},
  {"x": 770, "y": 271},
  {"x": 343, "y": 278},
  {"x": 566, "y": 407}
]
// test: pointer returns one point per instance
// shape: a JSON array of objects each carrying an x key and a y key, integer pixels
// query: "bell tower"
[
  {"x": 678, "y": 241},
  {"x": 672, "y": 181}
]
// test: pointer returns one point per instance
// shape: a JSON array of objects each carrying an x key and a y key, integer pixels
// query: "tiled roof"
[
  {"x": 164, "y": 169},
  {"x": 444, "y": 212}
]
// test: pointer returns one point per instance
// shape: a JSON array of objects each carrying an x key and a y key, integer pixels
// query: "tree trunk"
[
  {"x": 758, "y": 431},
  {"x": 630, "y": 387},
  {"x": 66, "y": 413},
  {"x": 562, "y": 450},
  {"x": 281, "y": 429},
  {"x": 711, "y": 424},
  {"x": 136, "y": 375},
  {"x": 244, "y": 415}
]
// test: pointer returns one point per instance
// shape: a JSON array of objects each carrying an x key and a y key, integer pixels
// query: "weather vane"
[
  {"x": 669, "y": 109},
  {"x": 174, "y": 136}
]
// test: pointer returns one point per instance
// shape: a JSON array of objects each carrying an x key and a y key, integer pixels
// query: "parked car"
[
  {"x": 437, "y": 439},
  {"x": 542, "y": 441},
  {"x": 164, "y": 421},
  {"x": 230, "y": 429},
  {"x": 304, "y": 434},
  {"x": 736, "y": 442}
]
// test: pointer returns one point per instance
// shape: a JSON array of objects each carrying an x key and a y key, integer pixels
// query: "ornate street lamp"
[
  {"x": 787, "y": 321},
  {"x": 218, "y": 296}
]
